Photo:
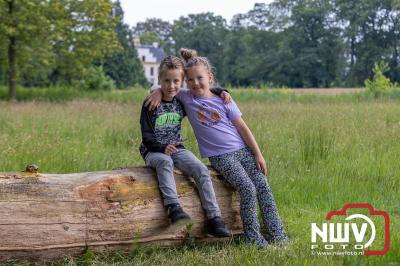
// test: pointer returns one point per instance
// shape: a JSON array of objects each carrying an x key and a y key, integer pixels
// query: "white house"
[{"x": 150, "y": 56}]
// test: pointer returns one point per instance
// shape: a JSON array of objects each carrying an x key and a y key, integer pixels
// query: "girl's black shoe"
[{"x": 216, "y": 227}]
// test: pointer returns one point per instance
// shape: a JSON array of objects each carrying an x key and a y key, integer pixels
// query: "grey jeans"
[{"x": 190, "y": 165}]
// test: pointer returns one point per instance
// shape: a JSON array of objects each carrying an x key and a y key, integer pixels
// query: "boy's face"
[
  {"x": 198, "y": 79},
  {"x": 171, "y": 82}
]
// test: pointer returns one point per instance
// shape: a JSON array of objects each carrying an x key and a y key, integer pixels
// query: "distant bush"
[
  {"x": 379, "y": 83},
  {"x": 96, "y": 79}
]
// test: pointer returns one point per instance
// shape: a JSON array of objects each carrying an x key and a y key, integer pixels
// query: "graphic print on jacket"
[{"x": 164, "y": 126}]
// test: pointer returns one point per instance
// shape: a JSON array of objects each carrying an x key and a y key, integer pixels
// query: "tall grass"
[
  {"x": 320, "y": 154},
  {"x": 316, "y": 142}
]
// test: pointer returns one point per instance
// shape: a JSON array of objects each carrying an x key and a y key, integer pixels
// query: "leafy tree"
[
  {"x": 261, "y": 17},
  {"x": 393, "y": 36},
  {"x": 123, "y": 66},
  {"x": 251, "y": 57},
  {"x": 314, "y": 41},
  {"x": 150, "y": 37},
  {"x": 256, "y": 49},
  {"x": 286, "y": 43},
  {"x": 371, "y": 31},
  {"x": 25, "y": 39},
  {"x": 203, "y": 32},
  {"x": 85, "y": 33},
  {"x": 63, "y": 35},
  {"x": 155, "y": 30}
]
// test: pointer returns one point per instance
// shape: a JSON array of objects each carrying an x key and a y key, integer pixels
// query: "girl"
[
  {"x": 162, "y": 148},
  {"x": 225, "y": 139}
]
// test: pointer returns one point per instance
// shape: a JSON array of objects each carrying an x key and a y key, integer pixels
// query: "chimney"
[
  {"x": 136, "y": 41},
  {"x": 155, "y": 44}
]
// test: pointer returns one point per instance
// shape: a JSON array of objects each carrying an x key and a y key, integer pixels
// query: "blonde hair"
[
  {"x": 171, "y": 62},
  {"x": 192, "y": 59}
]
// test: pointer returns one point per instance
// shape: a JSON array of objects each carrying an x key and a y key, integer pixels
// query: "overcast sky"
[{"x": 169, "y": 10}]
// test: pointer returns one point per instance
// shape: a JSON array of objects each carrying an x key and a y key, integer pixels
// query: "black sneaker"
[
  {"x": 216, "y": 227},
  {"x": 175, "y": 213}
]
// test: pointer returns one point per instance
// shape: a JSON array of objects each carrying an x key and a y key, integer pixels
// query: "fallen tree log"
[{"x": 48, "y": 216}]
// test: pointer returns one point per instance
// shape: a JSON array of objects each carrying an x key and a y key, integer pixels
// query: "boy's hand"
[
  {"x": 154, "y": 100},
  {"x": 261, "y": 164},
  {"x": 170, "y": 149},
  {"x": 226, "y": 97}
]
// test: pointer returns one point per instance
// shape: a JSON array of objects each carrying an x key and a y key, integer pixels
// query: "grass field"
[{"x": 322, "y": 152}]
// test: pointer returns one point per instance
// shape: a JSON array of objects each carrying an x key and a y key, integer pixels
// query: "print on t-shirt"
[{"x": 208, "y": 117}]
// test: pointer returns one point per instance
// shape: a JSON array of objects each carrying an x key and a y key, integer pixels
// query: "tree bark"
[{"x": 49, "y": 216}]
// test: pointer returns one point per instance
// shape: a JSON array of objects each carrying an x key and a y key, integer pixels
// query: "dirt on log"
[{"x": 49, "y": 216}]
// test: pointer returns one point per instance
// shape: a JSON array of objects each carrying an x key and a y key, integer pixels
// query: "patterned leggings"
[{"x": 240, "y": 170}]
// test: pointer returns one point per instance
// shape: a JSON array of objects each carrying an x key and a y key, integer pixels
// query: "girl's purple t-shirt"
[{"x": 211, "y": 121}]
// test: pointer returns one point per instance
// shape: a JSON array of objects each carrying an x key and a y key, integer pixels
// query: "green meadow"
[{"x": 321, "y": 151}]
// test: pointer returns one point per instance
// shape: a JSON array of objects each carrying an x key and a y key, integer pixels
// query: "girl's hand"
[
  {"x": 226, "y": 97},
  {"x": 170, "y": 149},
  {"x": 261, "y": 164},
  {"x": 154, "y": 100}
]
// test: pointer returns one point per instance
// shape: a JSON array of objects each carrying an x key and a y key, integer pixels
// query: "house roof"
[{"x": 156, "y": 51}]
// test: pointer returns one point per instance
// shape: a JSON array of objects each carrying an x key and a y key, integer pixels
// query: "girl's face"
[
  {"x": 198, "y": 79},
  {"x": 171, "y": 82}
]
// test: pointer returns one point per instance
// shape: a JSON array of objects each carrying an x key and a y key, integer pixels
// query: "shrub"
[
  {"x": 379, "y": 83},
  {"x": 97, "y": 80}
]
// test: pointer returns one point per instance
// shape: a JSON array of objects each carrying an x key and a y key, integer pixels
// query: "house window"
[
  {"x": 143, "y": 58},
  {"x": 151, "y": 71}
]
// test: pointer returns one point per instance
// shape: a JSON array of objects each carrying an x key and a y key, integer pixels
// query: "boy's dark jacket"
[{"x": 162, "y": 126}]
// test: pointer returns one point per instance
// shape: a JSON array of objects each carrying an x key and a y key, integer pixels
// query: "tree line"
[{"x": 295, "y": 43}]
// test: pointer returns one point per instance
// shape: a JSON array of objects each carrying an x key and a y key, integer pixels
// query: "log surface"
[{"x": 48, "y": 216}]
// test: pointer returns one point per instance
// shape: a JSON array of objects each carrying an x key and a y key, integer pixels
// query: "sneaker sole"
[{"x": 219, "y": 236}]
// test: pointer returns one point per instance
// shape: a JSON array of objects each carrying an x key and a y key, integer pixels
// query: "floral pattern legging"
[{"x": 240, "y": 170}]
